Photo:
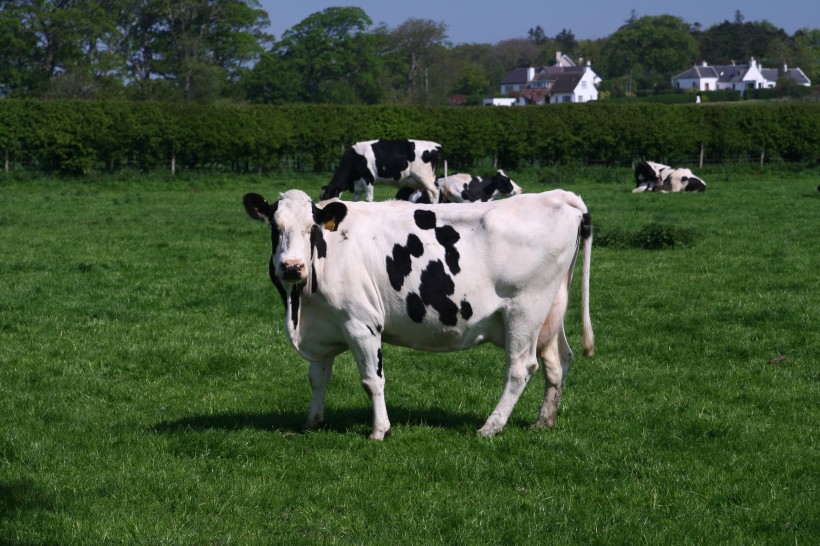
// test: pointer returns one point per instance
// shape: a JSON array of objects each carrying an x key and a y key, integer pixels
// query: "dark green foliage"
[{"x": 75, "y": 137}]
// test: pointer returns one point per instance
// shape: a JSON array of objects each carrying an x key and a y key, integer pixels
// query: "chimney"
[
  {"x": 530, "y": 73},
  {"x": 558, "y": 57},
  {"x": 704, "y": 63}
]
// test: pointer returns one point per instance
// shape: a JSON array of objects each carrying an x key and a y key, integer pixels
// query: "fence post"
[
  {"x": 173, "y": 162},
  {"x": 700, "y": 161},
  {"x": 6, "y": 166},
  {"x": 762, "y": 155}
]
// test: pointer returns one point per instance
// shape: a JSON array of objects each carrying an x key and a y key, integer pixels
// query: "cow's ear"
[
  {"x": 330, "y": 216},
  {"x": 258, "y": 208}
]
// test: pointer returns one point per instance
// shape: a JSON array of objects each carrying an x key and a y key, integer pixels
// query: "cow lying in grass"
[
  {"x": 650, "y": 176},
  {"x": 465, "y": 188}
]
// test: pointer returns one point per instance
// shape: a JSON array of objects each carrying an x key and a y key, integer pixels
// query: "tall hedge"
[{"x": 83, "y": 136}]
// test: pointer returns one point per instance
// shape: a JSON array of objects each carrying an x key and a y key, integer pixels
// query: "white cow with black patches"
[
  {"x": 397, "y": 162},
  {"x": 465, "y": 188},
  {"x": 434, "y": 278}
]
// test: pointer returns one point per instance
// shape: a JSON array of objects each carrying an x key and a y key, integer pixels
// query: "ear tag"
[{"x": 330, "y": 225}]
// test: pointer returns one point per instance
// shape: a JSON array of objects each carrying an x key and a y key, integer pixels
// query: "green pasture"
[{"x": 148, "y": 393}]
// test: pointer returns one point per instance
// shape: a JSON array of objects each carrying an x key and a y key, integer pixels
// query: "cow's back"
[{"x": 440, "y": 277}]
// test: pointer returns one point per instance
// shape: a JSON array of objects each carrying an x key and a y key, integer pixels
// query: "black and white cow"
[
  {"x": 649, "y": 175},
  {"x": 682, "y": 180},
  {"x": 410, "y": 163},
  {"x": 434, "y": 278},
  {"x": 465, "y": 188},
  {"x": 657, "y": 177}
]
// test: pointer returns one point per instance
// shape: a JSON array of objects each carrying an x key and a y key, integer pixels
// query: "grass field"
[{"x": 149, "y": 395}]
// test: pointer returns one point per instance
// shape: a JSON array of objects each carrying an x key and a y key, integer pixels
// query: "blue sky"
[{"x": 486, "y": 21}]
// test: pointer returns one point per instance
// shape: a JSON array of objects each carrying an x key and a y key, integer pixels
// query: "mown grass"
[{"x": 149, "y": 394}]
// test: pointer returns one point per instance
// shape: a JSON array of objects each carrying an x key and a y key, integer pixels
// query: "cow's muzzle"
[{"x": 292, "y": 271}]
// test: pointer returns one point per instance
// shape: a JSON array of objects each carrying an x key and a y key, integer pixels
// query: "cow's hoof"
[
  {"x": 489, "y": 431},
  {"x": 378, "y": 435},
  {"x": 314, "y": 425}
]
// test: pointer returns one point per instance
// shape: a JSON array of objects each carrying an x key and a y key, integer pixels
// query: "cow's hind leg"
[
  {"x": 319, "y": 373},
  {"x": 556, "y": 357}
]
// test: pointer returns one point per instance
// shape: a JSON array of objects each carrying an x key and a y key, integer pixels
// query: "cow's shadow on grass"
[{"x": 337, "y": 420}]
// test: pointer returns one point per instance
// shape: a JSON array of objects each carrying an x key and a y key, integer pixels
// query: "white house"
[
  {"x": 737, "y": 77},
  {"x": 562, "y": 82}
]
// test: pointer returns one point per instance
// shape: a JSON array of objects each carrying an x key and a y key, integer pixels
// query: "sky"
[{"x": 491, "y": 21}]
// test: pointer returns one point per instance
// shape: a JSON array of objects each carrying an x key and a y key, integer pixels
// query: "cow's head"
[
  {"x": 296, "y": 228},
  {"x": 505, "y": 184}
]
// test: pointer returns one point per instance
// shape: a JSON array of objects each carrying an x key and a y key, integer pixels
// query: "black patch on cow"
[
  {"x": 504, "y": 184},
  {"x": 404, "y": 193},
  {"x": 425, "y": 219},
  {"x": 379, "y": 328},
  {"x": 369, "y": 329},
  {"x": 314, "y": 280},
  {"x": 435, "y": 286},
  {"x": 352, "y": 167},
  {"x": 399, "y": 264},
  {"x": 431, "y": 156},
  {"x": 317, "y": 242},
  {"x": 380, "y": 368},
  {"x": 466, "y": 309},
  {"x": 644, "y": 173},
  {"x": 276, "y": 282},
  {"x": 585, "y": 228},
  {"x": 393, "y": 157},
  {"x": 695, "y": 184},
  {"x": 295, "y": 296},
  {"x": 415, "y": 307},
  {"x": 447, "y": 237}
]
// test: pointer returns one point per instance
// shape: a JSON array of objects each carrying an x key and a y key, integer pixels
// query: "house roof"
[
  {"x": 735, "y": 73},
  {"x": 774, "y": 74},
  {"x": 517, "y": 75},
  {"x": 566, "y": 83},
  {"x": 724, "y": 73}
]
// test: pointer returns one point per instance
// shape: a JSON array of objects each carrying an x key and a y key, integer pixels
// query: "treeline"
[
  {"x": 217, "y": 50},
  {"x": 85, "y": 136}
]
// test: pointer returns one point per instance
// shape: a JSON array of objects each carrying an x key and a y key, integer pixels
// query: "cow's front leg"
[
  {"x": 367, "y": 352},
  {"x": 521, "y": 364},
  {"x": 368, "y": 192},
  {"x": 319, "y": 373}
]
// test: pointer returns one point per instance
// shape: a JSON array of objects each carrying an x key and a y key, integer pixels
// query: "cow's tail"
[{"x": 586, "y": 237}]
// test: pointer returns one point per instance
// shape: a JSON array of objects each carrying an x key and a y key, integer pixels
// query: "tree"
[
  {"x": 566, "y": 41},
  {"x": 418, "y": 41},
  {"x": 327, "y": 57},
  {"x": 807, "y": 53},
  {"x": 537, "y": 35},
  {"x": 727, "y": 42},
  {"x": 650, "y": 50}
]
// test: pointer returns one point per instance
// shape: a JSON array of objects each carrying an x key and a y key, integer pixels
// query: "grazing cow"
[
  {"x": 682, "y": 180},
  {"x": 463, "y": 188},
  {"x": 649, "y": 175},
  {"x": 403, "y": 162},
  {"x": 434, "y": 278}
]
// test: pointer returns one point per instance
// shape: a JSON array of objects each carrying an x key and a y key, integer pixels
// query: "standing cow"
[
  {"x": 434, "y": 278},
  {"x": 409, "y": 163},
  {"x": 465, "y": 188}
]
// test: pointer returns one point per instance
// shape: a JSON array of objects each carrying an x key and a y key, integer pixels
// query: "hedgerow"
[{"x": 83, "y": 136}]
